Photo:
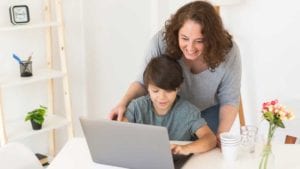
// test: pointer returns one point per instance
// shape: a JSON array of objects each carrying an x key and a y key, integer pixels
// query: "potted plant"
[{"x": 37, "y": 117}]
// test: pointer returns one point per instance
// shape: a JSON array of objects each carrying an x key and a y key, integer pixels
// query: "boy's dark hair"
[{"x": 164, "y": 73}]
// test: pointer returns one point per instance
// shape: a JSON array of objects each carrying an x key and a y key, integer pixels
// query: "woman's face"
[
  {"x": 191, "y": 40},
  {"x": 162, "y": 100}
]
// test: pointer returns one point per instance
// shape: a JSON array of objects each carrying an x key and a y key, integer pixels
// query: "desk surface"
[{"x": 75, "y": 155}]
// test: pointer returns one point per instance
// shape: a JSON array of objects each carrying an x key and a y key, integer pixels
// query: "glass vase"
[{"x": 267, "y": 160}]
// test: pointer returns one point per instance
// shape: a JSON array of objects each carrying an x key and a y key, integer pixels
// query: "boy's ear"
[
  {"x": 146, "y": 89},
  {"x": 178, "y": 88}
]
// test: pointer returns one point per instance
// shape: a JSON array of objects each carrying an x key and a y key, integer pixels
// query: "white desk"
[{"x": 75, "y": 155}]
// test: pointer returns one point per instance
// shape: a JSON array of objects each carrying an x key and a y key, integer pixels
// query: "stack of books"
[{"x": 42, "y": 158}]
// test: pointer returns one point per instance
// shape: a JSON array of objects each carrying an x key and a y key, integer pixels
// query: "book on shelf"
[{"x": 42, "y": 158}]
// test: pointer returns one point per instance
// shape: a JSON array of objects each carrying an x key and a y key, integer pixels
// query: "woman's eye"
[
  {"x": 200, "y": 41},
  {"x": 185, "y": 39}
]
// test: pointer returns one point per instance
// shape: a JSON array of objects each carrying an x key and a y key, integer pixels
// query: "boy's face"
[{"x": 162, "y": 99}]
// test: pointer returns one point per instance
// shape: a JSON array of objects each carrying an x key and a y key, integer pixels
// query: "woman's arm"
[
  {"x": 229, "y": 91},
  {"x": 206, "y": 142},
  {"x": 135, "y": 90},
  {"x": 227, "y": 116}
]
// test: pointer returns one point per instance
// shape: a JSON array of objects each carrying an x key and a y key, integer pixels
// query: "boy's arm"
[{"x": 205, "y": 142}]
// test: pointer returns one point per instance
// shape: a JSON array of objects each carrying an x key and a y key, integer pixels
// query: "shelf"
[
  {"x": 28, "y": 26},
  {"x": 21, "y": 129},
  {"x": 38, "y": 75}
]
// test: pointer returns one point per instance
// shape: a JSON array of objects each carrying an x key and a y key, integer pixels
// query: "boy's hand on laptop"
[
  {"x": 179, "y": 149},
  {"x": 117, "y": 113}
]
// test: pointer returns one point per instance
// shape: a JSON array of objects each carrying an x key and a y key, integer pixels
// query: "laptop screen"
[{"x": 128, "y": 145}]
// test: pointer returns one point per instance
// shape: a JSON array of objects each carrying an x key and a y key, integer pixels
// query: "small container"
[
  {"x": 26, "y": 69},
  {"x": 249, "y": 137}
]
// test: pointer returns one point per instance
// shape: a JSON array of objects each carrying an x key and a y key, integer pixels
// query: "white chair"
[{"x": 17, "y": 156}]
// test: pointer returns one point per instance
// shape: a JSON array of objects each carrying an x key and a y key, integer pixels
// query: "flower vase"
[{"x": 267, "y": 160}]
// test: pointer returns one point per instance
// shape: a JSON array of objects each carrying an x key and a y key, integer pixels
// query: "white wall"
[
  {"x": 117, "y": 33},
  {"x": 268, "y": 36}
]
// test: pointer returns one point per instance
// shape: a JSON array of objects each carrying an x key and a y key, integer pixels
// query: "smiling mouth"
[
  {"x": 163, "y": 103},
  {"x": 192, "y": 51}
]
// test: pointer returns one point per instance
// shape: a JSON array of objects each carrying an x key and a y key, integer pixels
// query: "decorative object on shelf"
[
  {"x": 37, "y": 117},
  {"x": 274, "y": 113},
  {"x": 25, "y": 66},
  {"x": 19, "y": 14}
]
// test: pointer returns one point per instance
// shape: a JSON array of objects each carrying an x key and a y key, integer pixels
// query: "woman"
[{"x": 210, "y": 61}]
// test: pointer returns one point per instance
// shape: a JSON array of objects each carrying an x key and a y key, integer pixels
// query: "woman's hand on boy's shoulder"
[{"x": 117, "y": 113}]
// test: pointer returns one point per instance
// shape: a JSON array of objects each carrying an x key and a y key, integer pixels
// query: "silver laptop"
[{"x": 128, "y": 145}]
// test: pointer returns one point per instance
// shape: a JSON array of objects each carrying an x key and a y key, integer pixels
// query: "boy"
[{"x": 163, "y": 107}]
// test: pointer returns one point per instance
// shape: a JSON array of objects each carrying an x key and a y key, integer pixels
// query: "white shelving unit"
[
  {"x": 29, "y": 26},
  {"x": 18, "y": 129},
  {"x": 39, "y": 75}
]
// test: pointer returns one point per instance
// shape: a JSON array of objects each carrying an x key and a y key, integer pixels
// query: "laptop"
[{"x": 128, "y": 145}]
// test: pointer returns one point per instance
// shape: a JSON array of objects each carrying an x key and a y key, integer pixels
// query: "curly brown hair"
[{"x": 217, "y": 41}]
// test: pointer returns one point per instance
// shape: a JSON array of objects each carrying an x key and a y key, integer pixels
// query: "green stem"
[{"x": 261, "y": 162}]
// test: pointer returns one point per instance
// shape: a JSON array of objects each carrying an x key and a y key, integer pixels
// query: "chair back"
[
  {"x": 241, "y": 113},
  {"x": 290, "y": 139}
]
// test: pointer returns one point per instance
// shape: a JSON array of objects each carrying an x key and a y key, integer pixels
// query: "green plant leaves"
[
  {"x": 37, "y": 115},
  {"x": 269, "y": 116},
  {"x": 273, "y": 119}
]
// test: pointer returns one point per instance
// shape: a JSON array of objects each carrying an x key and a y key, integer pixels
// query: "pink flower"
[
  {"x": 276, "y": 113},
  {"x": 274, "y": 102}
]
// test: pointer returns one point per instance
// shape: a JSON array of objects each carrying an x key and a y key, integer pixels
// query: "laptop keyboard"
[{"x": 179, "y": 160}]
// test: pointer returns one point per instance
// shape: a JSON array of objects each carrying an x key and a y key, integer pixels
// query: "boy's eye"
[{"x": 154, "y": 91}]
